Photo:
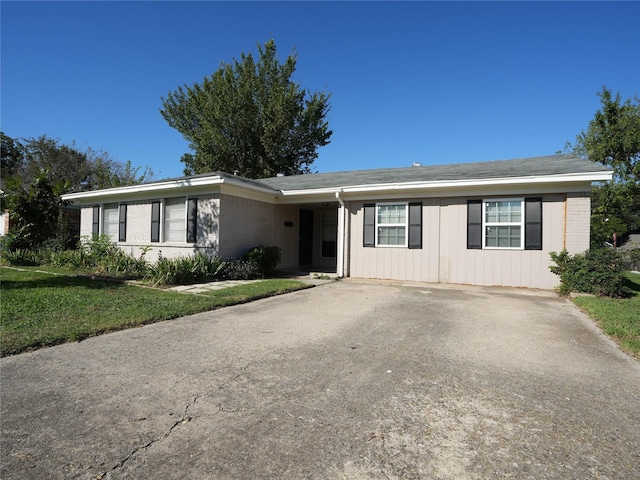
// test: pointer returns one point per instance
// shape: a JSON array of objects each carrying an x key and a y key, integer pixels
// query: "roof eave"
[{"x": 586, "y": 177}]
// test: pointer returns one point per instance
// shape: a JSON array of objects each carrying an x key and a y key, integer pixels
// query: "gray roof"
[{"x": 522, "y": 167}]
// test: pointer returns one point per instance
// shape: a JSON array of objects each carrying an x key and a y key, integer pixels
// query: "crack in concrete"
[
  {"x": 181, "y": 421},
  {"x": 185, "y": 418}
]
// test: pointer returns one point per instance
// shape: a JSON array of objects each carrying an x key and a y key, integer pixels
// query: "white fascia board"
[
  {"x": 172, "y": 187},
  {"x": 542, "y": 184},
  {"x": 541, "y": 180},
  {"x": 150, "y": 188}
]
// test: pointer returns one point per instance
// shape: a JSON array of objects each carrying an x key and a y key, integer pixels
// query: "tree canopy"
[
  {"x": 67, "y": 166},
  {"x": 37, "y": 171},
  {"x": 250, "y": 118},
  {"x": 613, "y": 138}
]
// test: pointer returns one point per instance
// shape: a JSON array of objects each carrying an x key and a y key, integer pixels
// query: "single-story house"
[{"x": 486, "y": 223}]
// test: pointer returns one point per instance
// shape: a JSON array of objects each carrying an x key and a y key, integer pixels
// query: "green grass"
[
  {"x": 42, "y": 309},
  {"x": 618, "y": 318}
]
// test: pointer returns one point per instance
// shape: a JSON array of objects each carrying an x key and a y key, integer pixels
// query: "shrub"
[
  {"x": 599, "y": 272},
  {"x": 239, "y": 269},
  {"x": 267, "y": 258},
  {"x": 100, "y": 255}
]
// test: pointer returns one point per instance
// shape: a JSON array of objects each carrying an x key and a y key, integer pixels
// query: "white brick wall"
[
  {"x": 578, "y": 218},
  {"x": 139, "y": 229},
  {"x": 244, "y": 224}
]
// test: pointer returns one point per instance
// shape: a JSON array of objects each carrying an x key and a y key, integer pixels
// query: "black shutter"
[
  {"x": 155, "y": 221},
  {"x": 533, "y": 223},
  {"x": 122, "y": 223},
  {"x": 192, "y": 219},
  {"x": 474, "y": 224},
  {"x": 415, "y": 225},
  {"x": 369, "y": 225},
  {"x": 95, "y": 225}
]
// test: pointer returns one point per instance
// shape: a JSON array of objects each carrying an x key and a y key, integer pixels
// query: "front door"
[{"x": 305, "y": 246}]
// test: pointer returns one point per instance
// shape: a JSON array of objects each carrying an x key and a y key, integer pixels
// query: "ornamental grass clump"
[{"x": 184, "y": 270}]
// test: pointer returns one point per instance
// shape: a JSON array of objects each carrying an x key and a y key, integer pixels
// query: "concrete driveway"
[{"x": 346, "y": 380}]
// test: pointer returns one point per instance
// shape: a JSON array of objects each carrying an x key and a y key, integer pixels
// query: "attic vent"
[{"x": 416, "y": 164}]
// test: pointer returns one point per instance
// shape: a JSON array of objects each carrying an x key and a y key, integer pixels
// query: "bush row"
[{"x": 103, "y": 257}]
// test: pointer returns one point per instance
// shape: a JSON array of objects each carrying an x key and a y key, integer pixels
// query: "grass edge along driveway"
[
  {"x": 619, "y": 318},
  {"x": 39, "y": 309}
]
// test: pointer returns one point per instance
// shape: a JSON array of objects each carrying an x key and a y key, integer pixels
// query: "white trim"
[
  {"x": 340, "y": 247},
  {"x": 406, "y": 225},
  {"x": 422, "y": 185},
  {"x": 486, "y": 224},
  {"x": 274, "y": 195}
]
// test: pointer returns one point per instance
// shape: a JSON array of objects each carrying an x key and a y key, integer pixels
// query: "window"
[
  {"x": 174, "y": 220},
  {"x": 393, "y": 224},
  {"x": 505, "y": 224},
  {"x": 110, "y": 222},
  {"x": 179, "y": 220}
]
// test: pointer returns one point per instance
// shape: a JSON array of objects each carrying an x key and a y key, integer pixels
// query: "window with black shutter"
[
  {"x": 474, "y": 224},
  {"x": 533, "y": 224},
  {"x": 122, "y": 223},
  {"x": 95, "y": 225},
  {"x": 192, "y": 220},
  {"x": 415, "y": 225},
  {"x": 369, "y": 225},
  {"x": 155, "y": 221}
]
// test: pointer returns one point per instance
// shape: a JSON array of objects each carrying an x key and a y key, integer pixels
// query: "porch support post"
[{"x": 342, "y": 211}]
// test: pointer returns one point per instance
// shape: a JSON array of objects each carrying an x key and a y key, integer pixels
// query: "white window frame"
[
  {"x": 163, "y": 219},
  {"x": 486, "y": 224},
  {"x": 105, "y": 224},
  {"x": 405, "y": 225}
]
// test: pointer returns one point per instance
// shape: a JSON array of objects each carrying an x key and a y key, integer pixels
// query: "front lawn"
[
  {"x": 41, "y": 309},
  {"x": 618, "y": 318}
]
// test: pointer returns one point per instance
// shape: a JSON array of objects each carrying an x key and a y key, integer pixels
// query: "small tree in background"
[
  {"x": 37, "y": 171},
  {"x": 250, "y": 118},
  {"x": 613, "y": 138},
  {"x": 36, "y": 214}
]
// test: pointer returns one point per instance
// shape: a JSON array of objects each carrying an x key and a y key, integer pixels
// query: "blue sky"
[{"x": 429, "y": 82}]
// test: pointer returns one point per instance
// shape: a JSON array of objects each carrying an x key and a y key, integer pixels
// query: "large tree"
[
  {"x": 613, "y": 138},
  {"x": 250, "y": 118}
]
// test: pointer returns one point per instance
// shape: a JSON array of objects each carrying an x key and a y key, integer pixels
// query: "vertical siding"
[
  {"x": 515, "y": 268},
  {"x": 445, "y": 257},
  {"x": 391, "y": 262},
  {"x": 244, "y": 224}
]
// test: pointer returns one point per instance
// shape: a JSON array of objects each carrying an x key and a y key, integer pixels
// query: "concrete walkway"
[
  {"x": 310, "y": 279},
  {"x": 349, "y": 380},
  {"x": 210, "y": 286}
]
